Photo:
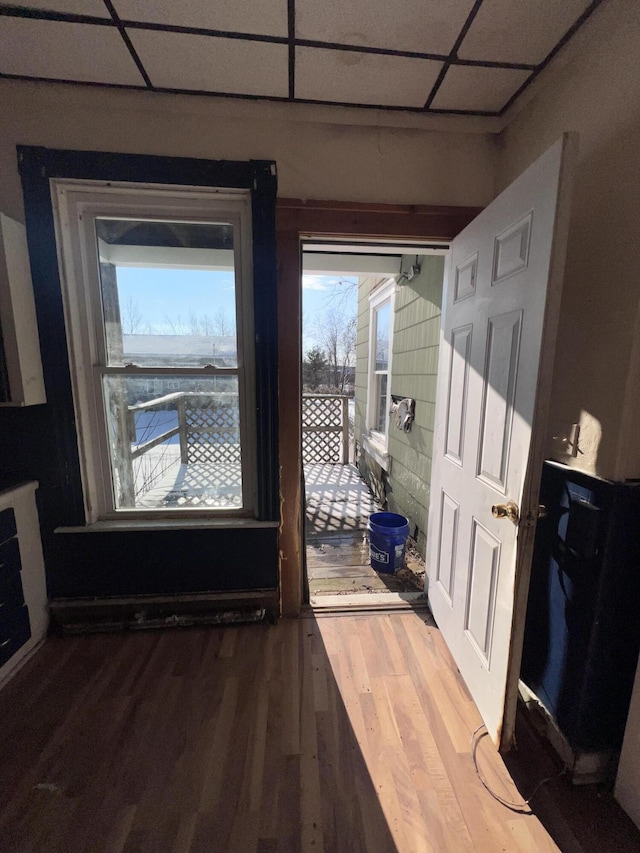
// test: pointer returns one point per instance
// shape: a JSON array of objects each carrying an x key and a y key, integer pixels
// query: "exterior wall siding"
[{"x": 416, "y": 338}]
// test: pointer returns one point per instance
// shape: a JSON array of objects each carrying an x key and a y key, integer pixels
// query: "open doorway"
[
  {"x": 488, "y": 265},
  {"x": 371, "y": 321}
]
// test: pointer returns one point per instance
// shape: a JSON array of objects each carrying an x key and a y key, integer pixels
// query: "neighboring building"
[
  {"x": 178, "y": 351},
  {"x": 184, "y": 350},
  {"x": 404, "y": 321}
]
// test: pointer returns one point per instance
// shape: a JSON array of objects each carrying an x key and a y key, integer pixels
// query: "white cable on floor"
[{"x": 521, "y": 808}]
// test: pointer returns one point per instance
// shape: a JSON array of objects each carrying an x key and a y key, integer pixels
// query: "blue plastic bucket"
[{"x": 388, "y": 533}]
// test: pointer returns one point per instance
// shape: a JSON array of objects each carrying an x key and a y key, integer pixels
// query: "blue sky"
[
  {"x": 169, "y": 296},
  {"x": 319, "y": 293},
  {"x": 165, "y": 299}
]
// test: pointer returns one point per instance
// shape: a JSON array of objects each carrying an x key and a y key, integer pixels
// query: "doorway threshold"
[{"x": 369, "y": 602}]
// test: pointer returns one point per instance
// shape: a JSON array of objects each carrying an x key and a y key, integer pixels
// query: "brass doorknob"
[{"x": 509, "y": 510}]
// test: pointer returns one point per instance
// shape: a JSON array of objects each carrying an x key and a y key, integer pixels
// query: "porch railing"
[
  {"x": 207, "y": 427},
  {"x": 325, "y": 429}
]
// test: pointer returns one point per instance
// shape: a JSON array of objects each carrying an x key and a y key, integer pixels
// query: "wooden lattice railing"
[
  {"x": 325, "y": 428},
  {"x": 208, "y": 430}
]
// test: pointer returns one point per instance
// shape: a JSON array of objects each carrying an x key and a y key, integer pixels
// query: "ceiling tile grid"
[
  {"x": 344, "y": 76},
  {"x": 425, "y": 26},
  {"x": 93, "y": 8},
  {"x": 239, "y": 16},
  {"x": 446, "y": 56},
  {"x": 57, "y": 50},
  {"x": 204, "y": 64},
  {"x": 519, "y": 30},
  {"x": 468, "y": 88}
]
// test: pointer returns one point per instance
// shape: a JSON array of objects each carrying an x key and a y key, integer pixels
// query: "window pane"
[
  {"x": 174, "y": 449},
  {"x": 381, "y": 402},
  {"x": 383, "y": 316},
  {"x": 168, "y": 293}
]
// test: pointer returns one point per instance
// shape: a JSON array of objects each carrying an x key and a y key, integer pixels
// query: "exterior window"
[
  {"x": 380, "y": 346},
  {"x": 157, "y": 287},
  {"x": 381, "y": 322}
]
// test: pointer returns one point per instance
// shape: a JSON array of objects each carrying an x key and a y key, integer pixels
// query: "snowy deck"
[
  {"x": 338, "y": 506},
  {"x": 209, "y": 485}
]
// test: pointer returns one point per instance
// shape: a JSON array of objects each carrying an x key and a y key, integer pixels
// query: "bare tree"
[
  {"x": 200, "y": 324},
  {"x": 222, "y": 324},
  {"x": 348, "y": 343},
  {"x": 347, "y": 288},
  {"x": 176, "y": 325},
  {"x": 337, "y": 334},
  {"x": 131, "y": 318}
]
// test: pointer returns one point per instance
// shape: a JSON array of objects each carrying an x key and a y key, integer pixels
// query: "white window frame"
[
  {"x": 376, "y": 442},
  {"x": 76, "y": 205}
]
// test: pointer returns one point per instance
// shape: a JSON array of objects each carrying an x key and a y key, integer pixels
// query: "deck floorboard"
[{"x": 339, "y": 504}]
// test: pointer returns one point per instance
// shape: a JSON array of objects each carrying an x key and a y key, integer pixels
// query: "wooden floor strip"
[{"x": 335, "y": 734}]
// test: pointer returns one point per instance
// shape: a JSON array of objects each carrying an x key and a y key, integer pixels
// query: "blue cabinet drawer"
[
  {"x": 10, "y": 558},
  {"x": 8, "y": 527},
  {"x": 15, "y": 630},
  {"x": 11, "y": 592}
]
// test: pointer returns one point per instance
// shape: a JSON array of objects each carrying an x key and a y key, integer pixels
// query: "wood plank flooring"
[
  {"x": 339, "y": 564},
  {"x": 329, "y": 734}
]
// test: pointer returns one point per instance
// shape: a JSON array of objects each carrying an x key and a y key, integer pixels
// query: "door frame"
[{"x": 298, "y": 219}]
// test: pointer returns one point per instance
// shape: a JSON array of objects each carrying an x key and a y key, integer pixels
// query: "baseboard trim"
[
  {"x": 584, "y": 767},
  {"x": 84, "y": 615}
]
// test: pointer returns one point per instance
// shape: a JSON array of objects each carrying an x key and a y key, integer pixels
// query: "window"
[
  {"x": 381, "y": 306},
  {"x": 157, "y": 288}
]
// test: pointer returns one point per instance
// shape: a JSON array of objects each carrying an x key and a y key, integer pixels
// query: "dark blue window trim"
[{"x": 37, "y": 165}]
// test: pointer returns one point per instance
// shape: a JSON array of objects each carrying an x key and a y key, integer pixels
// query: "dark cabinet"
[
  {"x": 15, "y": 629},
  {"x": 23, "y": 595},
  {"x": 582, "y": 632}
]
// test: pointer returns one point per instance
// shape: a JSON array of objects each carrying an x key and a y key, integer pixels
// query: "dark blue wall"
[{"x": 40, "y": 442}]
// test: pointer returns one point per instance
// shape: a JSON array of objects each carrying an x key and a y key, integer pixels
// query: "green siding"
[{"x": 414, "y": 367}]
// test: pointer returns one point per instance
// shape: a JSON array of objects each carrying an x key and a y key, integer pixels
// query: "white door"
[{"x": 500, "y": 308}]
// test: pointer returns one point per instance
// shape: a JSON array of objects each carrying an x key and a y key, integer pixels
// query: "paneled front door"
[{"x": 499, "y": 324}]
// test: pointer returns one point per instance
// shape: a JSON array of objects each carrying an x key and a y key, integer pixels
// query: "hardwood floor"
[{"x": 329, "y": 734}]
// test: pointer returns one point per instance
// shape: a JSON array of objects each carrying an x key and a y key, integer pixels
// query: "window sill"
[
  {"x": 377, "y": 450},
  {"x": 160, "y": 524}
]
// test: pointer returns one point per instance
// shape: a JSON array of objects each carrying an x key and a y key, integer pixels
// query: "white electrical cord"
[{"x": 521, "y": 808}]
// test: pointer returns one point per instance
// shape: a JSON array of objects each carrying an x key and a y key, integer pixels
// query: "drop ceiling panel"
[
  {"x": 362, "y": 78},
  {"x": 186, "y": 45},
  {"x": 65, "y": 51},
  {"x": 519, "y": 30},
  {"x": 210, "y": 64},
  {"x": 241, "y": 16},
  {"x": 426, "y": 26},
  {"x": 475, "y": 88},
  {"x": 95, "y": 8}
]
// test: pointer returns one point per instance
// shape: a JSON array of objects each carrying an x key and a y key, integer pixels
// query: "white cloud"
[{"x": 314, "y": 282}]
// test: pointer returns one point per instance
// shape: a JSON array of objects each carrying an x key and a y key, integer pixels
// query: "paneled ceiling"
[{"x": 470, "y": 57}]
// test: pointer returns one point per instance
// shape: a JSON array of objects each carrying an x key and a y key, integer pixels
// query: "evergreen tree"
[{"x": 314, "y": 368}]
